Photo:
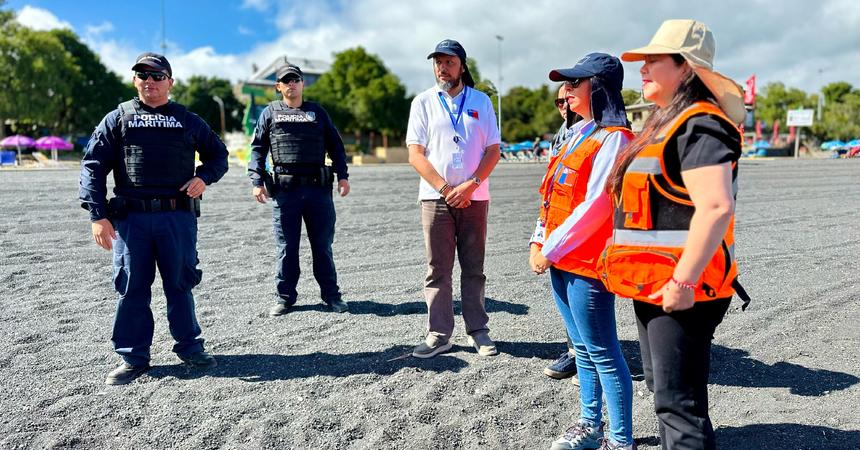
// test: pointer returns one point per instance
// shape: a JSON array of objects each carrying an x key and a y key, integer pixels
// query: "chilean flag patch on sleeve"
[{"x": 472, "y": 113}]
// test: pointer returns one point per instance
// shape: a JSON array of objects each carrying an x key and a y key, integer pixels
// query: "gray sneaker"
[
  {"x": 431, "y": 347},
  {"x": 609, "y": 445},
  {"x": 579, "y": 437},
  {"x": 483, "y": 344},
  {"x": 279, "y": 310}
]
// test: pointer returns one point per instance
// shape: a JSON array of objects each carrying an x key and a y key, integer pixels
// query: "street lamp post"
[
  {"x": 223, "y": 121},
  {"x": 499, "y": 88}
]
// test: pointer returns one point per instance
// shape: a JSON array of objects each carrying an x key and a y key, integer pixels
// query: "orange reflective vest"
[
  {"x": 564, "y": 187},
  {"x": 651, "y": 222}
]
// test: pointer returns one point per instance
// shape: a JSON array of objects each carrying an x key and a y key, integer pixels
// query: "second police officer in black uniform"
[
  {"x": 149, "y": 144},
  {"x": 298, "y": 135}
]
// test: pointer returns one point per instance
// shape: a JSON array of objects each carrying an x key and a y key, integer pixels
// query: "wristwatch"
[{"x": 477, "y": 181}]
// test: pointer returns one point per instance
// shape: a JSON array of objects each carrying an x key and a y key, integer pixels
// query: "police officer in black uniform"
[
  {"x": 149, "y": 144},
  {"x": 298, "y": 135}
]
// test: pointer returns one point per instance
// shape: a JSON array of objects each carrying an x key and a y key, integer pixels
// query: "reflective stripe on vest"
[{"x": 648, "y": 241}]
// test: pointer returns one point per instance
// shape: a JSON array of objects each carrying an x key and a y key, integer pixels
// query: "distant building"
[
  {"x": 259, "y": 89},
  {"x": 638, "y": 113}
]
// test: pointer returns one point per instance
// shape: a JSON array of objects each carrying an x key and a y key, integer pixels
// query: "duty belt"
[{"x": 122, "y": 205}]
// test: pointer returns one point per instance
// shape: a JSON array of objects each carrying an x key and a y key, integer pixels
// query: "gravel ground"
[{"x": 784, "y": 373}]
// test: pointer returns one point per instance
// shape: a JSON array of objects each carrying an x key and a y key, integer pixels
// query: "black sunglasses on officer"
[
  {"x": 290, "y": 78},
  {"x": 145, "y": 75}
]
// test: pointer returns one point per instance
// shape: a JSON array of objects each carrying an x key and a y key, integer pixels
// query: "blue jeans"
[
  {"x": 313, "y": 204},
  {"x": 588, "y": 312},
  {"x": 143, "y": 240}
]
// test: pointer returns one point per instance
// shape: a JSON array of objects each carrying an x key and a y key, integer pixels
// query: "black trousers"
[{"x": 676, "y": 355}]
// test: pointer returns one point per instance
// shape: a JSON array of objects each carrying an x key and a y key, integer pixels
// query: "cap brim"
[
  {"x": 569, "y": 74},
  {"x": 638, "y": 54},
  {"x": 442, "y": 52},
  {"x": 139, "y": 66},
  {"x": 729, "y": 94}
]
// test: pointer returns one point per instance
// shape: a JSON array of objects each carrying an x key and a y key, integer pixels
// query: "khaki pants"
[{"x": 447, "y": 229}]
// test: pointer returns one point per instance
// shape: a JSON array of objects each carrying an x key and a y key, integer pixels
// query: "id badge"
[{"x": 457, "y": 160}]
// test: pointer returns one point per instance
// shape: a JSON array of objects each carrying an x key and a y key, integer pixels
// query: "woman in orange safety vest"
[
  {"x": 574, "y": 225},
  {"x": 672, "y": 248}
]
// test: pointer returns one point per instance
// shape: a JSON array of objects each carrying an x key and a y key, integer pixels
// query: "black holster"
[{"x": 287, "y": 178}]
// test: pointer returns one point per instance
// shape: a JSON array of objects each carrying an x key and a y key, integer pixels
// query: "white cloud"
[
  {"x": 40, "y": 19},
  {"x": 244, "y": 31},
  {"x": 104, "y": 27},
  {"x": 259, "y": 5}
]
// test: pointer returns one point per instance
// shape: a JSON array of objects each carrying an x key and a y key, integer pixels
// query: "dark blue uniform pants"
[
  {"x": 313, "y": 204},
  {"x": 144, "y": 240}
]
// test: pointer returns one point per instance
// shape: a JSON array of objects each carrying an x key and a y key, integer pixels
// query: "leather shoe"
[{"x": 125, "y": 373}]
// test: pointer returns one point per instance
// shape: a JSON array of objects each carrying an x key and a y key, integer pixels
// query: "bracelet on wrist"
[
  {"x": 445, "y": 187},
  {"x": 683, "y": 285}
]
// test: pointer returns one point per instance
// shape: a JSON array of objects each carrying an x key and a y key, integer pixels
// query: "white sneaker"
[{"x": 483, "y": 344}]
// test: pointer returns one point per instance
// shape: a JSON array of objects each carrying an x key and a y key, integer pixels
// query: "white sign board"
[{"x": 800, "y": 117}]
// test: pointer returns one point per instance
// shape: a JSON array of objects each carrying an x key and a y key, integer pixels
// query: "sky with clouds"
[{"x": 804, "y": 44}]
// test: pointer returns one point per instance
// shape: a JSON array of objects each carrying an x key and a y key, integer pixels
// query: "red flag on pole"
[
  {"x": 758, "y": 130},
  {"x": 790, "y": 134},
  {"x": 775, "y": 132},
  {"x": 749, "y": 95}
]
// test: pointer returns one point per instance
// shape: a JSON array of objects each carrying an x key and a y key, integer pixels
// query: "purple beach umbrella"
[
  {"x": 17, "y": 141},
  {"x": 53, "y": 143}
]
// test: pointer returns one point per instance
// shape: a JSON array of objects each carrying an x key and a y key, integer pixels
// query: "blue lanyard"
[
  {"x": 568, "y": 152},
  {"x": 454, "y": 121}
]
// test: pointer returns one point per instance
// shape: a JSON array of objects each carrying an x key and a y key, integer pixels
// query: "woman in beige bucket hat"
[{"x": 673, "y": 246}]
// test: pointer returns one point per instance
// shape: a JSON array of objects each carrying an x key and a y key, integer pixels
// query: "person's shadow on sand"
[
  {"x": 729, "y": 367},
  {"x": 361, "y": 307},
  {"x": 786, "y": 435},
  {"x": 269, "y": 367}
]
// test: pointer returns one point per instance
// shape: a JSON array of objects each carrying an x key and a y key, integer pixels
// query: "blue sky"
[{"x": 803, "y": 44}]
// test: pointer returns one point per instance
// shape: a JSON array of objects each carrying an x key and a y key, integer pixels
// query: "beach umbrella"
[
  {"x": 853, "y": 143},
  {"x": 17, "y": 141},
  {"x": 53, "y": 143},
  {"x": 832, "y": 145}
]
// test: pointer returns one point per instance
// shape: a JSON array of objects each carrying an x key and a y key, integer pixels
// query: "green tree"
[
  {"x": 630, "y": 96},
  {"x": 35, "y": 72},
  {"x": 777, "y": 100},
  {"x": 197, "y": 95},
  {"x": 362, "y": 95},
  {"x": 841, "y": 113},
  {"x": 529, "y": 113},
  {"x": 95, "y": 90}
]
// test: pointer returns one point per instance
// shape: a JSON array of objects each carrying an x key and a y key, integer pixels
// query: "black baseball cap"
[
  {"x": 289, "y": 69},
  {"x": 606, "y": 67},
  {"x": 149, "y": 59},
  {"x": 449, "y": 47}
]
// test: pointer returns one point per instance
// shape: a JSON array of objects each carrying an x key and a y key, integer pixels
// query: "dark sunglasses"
[
  {"x": 575, "y": 83},
  {"x": 156, "y": 76},
  {"x": 290, "y": 80},
  {"x": 559, "y": 102}
]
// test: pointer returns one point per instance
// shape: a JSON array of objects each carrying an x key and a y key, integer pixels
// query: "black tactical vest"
[
  {"x": 156, "y": 150},
  {"x": 296, "y": 136}
]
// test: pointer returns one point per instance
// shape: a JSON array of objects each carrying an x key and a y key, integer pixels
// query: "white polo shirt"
[{"x": 430, "y": 125}]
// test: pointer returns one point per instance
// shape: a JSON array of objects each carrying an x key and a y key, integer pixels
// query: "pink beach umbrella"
[
  {"x": 53, "y": 143},
  {"x": 17, "y": 141}
]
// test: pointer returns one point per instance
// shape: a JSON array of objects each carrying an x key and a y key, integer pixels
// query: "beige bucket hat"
[{"x": 695, "y": 42}]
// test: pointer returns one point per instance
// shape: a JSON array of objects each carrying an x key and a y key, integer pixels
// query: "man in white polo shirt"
[{"x": 454, "y": 145}]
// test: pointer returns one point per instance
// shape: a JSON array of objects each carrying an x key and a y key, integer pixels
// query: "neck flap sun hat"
[
  {"x": 607, "y": 77},
  {"x": 695, "y": 42}
]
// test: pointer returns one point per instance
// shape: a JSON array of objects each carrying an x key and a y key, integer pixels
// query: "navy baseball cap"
[
  {"x": 289, "y": 69},
  {"x": 606, "y": 67},
  {"x": 153, "y": 60},
  {"x": 449, "y": 47}
]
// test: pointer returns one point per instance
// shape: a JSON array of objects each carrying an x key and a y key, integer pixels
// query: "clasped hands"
[{"x": 460, "y": 195}]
